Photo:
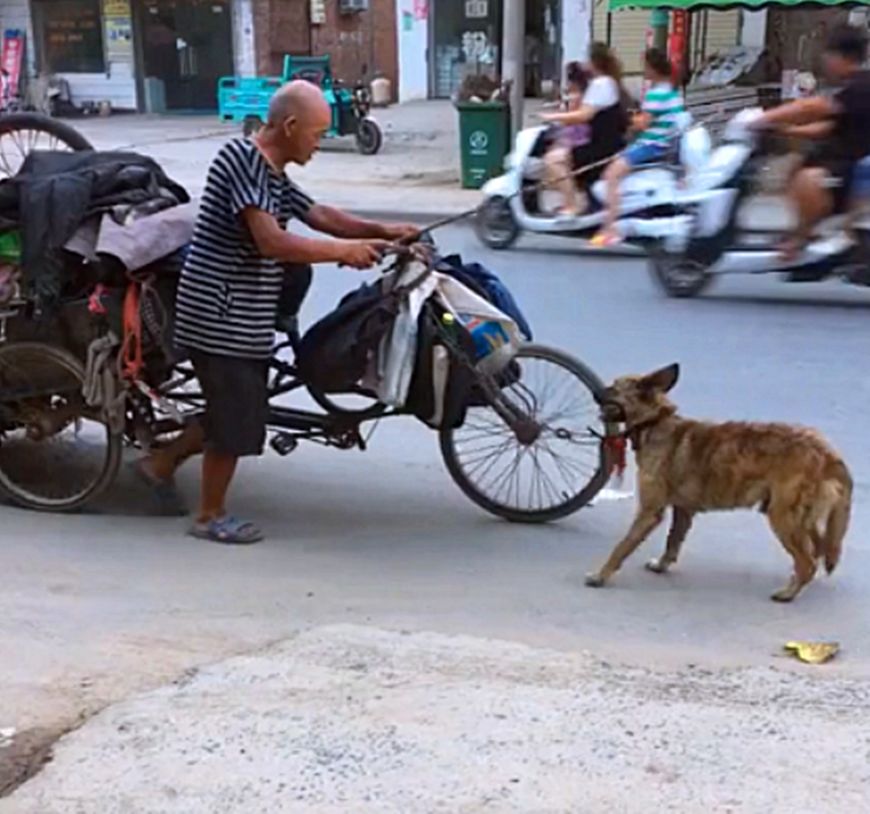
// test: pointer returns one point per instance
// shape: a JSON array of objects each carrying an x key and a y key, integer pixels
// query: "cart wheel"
[
  {"x": 369, "y": 138},
  {"x": 548, "y": 476},
  {"x": 22, "y": 133},
  {"x": 56, "y": 454},
  {"x": 495, "y": 224},
  {"x": 251, "y": 125}
]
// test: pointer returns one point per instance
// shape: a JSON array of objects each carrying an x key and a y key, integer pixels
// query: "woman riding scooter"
[{"x": 604, "y": 109}]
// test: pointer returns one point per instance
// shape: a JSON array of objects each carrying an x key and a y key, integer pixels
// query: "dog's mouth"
[{"x": 612, "y": 412}]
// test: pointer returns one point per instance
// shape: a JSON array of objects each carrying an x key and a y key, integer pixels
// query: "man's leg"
[
  {"x": 813, "y": 202},
  {"x": 235, "y": 426},
  {"x": 162, "y": 463},
  {"x": 218, "y": 469}
]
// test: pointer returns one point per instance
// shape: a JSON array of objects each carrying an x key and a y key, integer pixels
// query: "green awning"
[{"x": 615, "y": 5}]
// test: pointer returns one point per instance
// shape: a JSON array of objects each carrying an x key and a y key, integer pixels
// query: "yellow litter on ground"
[{"x": 813, "y": 652}]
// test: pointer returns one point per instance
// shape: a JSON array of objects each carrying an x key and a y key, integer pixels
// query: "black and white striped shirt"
[{"x": 228, "y": 292}]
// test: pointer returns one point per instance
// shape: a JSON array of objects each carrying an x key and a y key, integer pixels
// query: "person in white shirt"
[{"x": 603, "y": 109}]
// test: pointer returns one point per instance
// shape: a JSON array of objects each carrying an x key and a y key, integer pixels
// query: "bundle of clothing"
[
  {"x": 57, "y": 194},
  {"x": 418, "y": 340}
]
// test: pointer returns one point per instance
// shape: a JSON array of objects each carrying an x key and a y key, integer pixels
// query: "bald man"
[{"x": 241, "y": 257}]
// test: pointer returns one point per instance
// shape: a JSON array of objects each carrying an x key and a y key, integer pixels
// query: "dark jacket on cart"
[{"x": 54, "y": 192}]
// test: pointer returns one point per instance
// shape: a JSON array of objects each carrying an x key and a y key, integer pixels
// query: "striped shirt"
[
  {"x": 664, "y": 104},
  {"x": 228, "y": 292}
]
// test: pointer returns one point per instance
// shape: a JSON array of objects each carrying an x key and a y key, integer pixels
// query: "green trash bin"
[{"x": 484, "y": 132}]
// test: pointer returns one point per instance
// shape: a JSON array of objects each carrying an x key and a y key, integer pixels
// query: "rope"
[{"x": 131, "y": 349}]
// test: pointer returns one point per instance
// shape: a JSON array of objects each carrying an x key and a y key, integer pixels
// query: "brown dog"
[{"x": 790, "y": 473}]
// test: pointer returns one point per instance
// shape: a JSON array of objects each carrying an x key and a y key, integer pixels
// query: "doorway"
[{"x": 188, "y": 46}]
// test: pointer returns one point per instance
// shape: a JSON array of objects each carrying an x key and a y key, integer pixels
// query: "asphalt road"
[{"x": 98, "y": 605}]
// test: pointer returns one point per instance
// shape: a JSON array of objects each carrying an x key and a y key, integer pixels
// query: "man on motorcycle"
[
  {"x": 841, "y": 126},
  {"x": 230, "y": 290}
]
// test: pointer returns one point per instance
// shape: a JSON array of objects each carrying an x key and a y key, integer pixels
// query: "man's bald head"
[
  {"x": 299, "y": 116},
  {"x": 298, "y": 100}
]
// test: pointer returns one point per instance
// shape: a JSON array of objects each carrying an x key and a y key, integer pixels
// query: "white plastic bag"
[{"x": 496, "y": 336}]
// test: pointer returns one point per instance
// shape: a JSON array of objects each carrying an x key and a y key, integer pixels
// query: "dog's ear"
[{"x": 662, "y": 380}]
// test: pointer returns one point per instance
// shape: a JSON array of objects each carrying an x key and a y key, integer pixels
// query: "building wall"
[
  {"x": 244, "y": 46},
  {"x": 359, "y": 44},
  {"x": 412, "y": 22}
]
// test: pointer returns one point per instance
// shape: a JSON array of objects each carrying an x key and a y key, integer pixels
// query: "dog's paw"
[
  {"x": 784, "y": 595},
  {"x": 594, "y": 581},
  {"x": 658, "y": 566}
]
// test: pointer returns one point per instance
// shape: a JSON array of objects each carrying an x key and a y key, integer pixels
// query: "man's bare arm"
[
  {"x": 816, "y": 130},
  {"x": 335, "y": 222},
  {"x": 801, "y": 111},
  {"x": 277, "y": 244}
]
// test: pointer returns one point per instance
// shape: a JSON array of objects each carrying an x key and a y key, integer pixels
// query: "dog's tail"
[{"x": 836, "y": 495}]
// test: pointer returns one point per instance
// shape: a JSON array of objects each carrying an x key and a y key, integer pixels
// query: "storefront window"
[
  {"x": 467, "y": 36},
  {"x": 69, "y": 35}
]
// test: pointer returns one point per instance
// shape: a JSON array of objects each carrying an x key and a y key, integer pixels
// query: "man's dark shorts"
[
  {"x": 236, "y": 400},
  {"x": 840, "y": 175}
]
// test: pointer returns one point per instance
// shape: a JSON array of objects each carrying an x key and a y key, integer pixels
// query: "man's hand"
[
  {"x": 401, "y": 232},
  {"x": 363, "y": 254}
]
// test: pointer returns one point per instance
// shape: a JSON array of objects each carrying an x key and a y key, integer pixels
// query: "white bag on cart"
[{"x": 496, "y": 336}]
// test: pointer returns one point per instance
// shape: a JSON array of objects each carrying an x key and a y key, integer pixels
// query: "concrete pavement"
[
  {"x": 100, "y": 607},
  {"x": 354, "y": 719}
]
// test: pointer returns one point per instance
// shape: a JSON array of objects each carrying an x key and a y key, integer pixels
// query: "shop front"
[
  {"x": 151, "y": 55},
  {"x": 89, "y": 45},
  {"x": 185, "y": 47},
  {"x": 465, "y": 39}
]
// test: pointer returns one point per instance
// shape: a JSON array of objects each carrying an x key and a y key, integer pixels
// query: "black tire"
[
  {"x": 55, "y": 374},
  {"x": 44, "y": 133},
  {"x": 572, "y": 502},
  {"x": 679, "y": 276},
  {"x": 251, "y": 125},
  {"x": 495, "y": 224},
  {"x": 369, "y": 138}
]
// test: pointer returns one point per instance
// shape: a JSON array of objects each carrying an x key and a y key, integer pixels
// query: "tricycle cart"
[
  {"x": 531, "y": 446},
  {"x": 246, "y": 100}
]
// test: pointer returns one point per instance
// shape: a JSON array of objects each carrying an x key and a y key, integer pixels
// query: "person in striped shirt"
[
  {"x": 230, "y": 291},
  {"x": 657, "y": 126}
]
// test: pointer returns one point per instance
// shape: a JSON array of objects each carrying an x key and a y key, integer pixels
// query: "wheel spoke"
[{"x": 539, "y": 476}]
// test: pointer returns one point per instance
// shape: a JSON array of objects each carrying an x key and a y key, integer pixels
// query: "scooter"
[
  {"x": 705, "y": 239},
  {"x": 512, "y": 202}
]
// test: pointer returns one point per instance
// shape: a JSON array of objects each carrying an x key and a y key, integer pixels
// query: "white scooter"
[
  {"x": 512, "y": 202},
  {"x": 705, "y": 240}
]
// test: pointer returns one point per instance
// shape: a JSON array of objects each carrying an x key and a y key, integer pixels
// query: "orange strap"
[{"x": 131, "y": 349}]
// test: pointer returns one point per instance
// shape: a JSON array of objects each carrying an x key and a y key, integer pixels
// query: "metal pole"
[{"x": 513, "y": 58}]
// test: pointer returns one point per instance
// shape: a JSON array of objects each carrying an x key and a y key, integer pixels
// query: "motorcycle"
[
  {"x": 512, "y": 202},
  {"x": 705, "y": 239}
]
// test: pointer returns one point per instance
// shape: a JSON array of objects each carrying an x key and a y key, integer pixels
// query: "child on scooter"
[
  {"x": 570, "y": 136},
  {"x": 656, "y": 127}
]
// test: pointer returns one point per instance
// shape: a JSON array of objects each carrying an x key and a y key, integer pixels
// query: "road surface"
[{"x": 98, "y": 606}]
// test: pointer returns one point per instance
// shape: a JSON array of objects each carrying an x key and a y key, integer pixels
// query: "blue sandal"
[{"x": 228, "y": 530}]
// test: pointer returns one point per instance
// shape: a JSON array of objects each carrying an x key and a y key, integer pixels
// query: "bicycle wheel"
[
  {"x": 56, "y": 453},
  {"x": 553, "y": 472},
  {"x": 22, "y": 133}
]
